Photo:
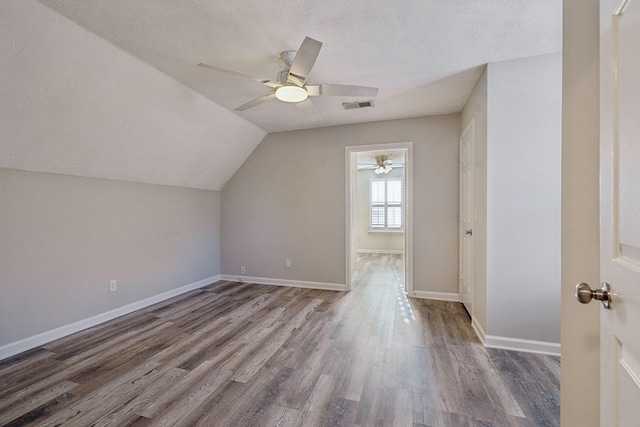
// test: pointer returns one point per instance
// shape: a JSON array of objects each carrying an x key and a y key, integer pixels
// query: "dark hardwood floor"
[{"x": 237, "y": 354}]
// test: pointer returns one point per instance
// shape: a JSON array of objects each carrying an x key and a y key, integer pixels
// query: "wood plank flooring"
[{"x": 238, "y": 354}]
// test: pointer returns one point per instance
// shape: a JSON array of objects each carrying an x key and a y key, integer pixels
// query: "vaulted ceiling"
[
  {"x": 112, "y": 88},
  {"x": 423, "y": 55}
]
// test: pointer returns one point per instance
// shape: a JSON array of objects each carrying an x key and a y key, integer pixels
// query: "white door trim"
[{"x": 350, "y": 168}]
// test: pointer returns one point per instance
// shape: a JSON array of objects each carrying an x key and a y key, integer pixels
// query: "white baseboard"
[
  {"x": 286, "y": 282},
  {"x": 25, "y": 344},
  {"x": 381, "y": 251},
  {"x": 440, "y": 296},
  {"x": 478, "y": 330},
  {"x": 528, "y": 346}
]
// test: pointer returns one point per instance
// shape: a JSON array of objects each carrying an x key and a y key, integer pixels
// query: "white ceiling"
[
  {"x": 97, "y": 92},
  {"x": 424, "y": 55}
]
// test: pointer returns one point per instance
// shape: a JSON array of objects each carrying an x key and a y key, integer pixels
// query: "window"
[{"x": 386, "y": 204}]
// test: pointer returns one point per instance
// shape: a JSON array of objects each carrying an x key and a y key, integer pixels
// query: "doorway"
[
  {"x": 466, "y": 218},
  {"x": 378, "y": 220}
]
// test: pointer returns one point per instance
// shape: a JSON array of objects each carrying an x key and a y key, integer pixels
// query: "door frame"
[
  {"x": 351, "y": 153},
  {"x": 580, "y": 256}
]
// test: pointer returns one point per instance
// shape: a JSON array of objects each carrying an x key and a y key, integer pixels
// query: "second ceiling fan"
[{"x": 292, "y": 83}]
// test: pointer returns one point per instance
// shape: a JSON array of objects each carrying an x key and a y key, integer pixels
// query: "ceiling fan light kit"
[
  {"x": 383, "y": 164},
  {"x": 292, "y": 84},
  {"x": 290, "y": 93},
  {"x": 382, "y": 169}
]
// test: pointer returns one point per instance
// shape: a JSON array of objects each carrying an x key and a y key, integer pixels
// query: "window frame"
[{"x": 386, "y": 206}]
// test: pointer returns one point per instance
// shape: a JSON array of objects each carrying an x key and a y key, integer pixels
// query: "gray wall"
[
  {"x": 63, "y": 238},
  {"x": 288, "y": 201}
]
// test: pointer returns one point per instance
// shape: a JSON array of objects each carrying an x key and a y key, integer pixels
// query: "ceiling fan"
[
  {"x": 383, "y": 165},
  {"x": 292, "y": 85}
]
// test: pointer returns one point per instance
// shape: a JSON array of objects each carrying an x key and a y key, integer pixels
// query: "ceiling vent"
[{"x": 361, "y": 104}]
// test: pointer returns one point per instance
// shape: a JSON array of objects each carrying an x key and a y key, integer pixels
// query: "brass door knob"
[{"x": 585, "y": 294}]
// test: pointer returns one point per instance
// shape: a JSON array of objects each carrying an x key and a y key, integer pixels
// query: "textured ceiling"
[
  {"x": 424, "y": 55},
  {"x": 111, "y": 88}
]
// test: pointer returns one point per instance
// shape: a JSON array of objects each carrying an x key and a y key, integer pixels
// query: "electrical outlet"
[
  {"x": 242, "y": 269},
  {"x": 113, "y": 285},
  {"x": 287, "y": 263}
]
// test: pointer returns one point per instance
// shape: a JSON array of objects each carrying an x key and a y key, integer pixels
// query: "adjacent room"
[{"x": 273, "y": 213}]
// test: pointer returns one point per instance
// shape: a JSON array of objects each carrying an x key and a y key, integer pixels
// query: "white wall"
[
  {"x": 516, "y": 109},
  {"x": 288, "y": 201},
  {"x": 366, "y": 240},
  {"x": 63, "y": 238},
  {"x": 523, "y": 198}
]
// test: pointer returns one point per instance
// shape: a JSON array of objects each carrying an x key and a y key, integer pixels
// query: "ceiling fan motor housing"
[
  {"x": 286, "y": 58},
  {"x": 282, "y": 76}
]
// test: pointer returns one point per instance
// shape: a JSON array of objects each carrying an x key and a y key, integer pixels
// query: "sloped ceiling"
[
  {"x": 73, "y": 103},
  {"x": 424, "y": 55},
  {"x": 111, "y": 88}
]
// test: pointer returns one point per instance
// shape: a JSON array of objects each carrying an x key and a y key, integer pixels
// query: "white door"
[
  {"x": 620, "y": 210},
  {"x": 466, "y": 218}
]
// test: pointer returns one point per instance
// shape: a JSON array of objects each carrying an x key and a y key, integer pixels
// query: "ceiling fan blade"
[
  {"x": 304, "y": 61},
  {"x": 266, "y": 82},
  {"x": 340, "y": 90},
  {"x": 257, "y": 101},
  {"x": 308, "y": 107}
]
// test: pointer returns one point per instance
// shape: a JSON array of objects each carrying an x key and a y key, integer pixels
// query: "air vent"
[{"x": 361, "y": 104}]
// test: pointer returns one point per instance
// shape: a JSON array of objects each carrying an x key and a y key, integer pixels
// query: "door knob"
[
  {"x": 585, "y": 294},
  {"x": 469, "y": 232}
]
